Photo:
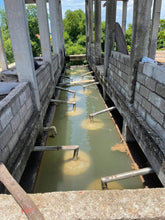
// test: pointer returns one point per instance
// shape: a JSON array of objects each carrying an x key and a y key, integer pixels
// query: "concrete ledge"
[{"x": 115, "y": 204}]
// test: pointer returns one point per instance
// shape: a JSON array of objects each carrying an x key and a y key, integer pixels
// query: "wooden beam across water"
[
  {"x": 91, "y": 84},
  {"x": 57, "y": 148},
  {"x": 85, "y": 74}
]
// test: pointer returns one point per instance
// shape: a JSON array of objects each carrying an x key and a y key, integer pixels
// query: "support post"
[
  {"x": 44, "y": 33},
  {"x": 97, "y": 32},
  {"x": 109, "y": 32},
  {"x": 155, "y": 28},
  {"x": 87, "y": 27},
  {"x": 124, "y": 16},
  {"x": 3, "y": 60},
  {"x": 140, "y": 38},
  {"x": 61, "y": 27},
  {"x": 90, "y": 5},
  {"x": 20, "y": 39},
  {"x": 55, "y": 25}
]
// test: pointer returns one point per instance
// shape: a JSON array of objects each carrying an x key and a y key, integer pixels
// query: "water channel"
[{"x": 101, "y": 151}]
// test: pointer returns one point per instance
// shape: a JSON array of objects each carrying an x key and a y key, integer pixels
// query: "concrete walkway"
[{"x": 115, "y": 204}]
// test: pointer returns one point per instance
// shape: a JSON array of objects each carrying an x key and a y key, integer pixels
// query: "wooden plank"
[
  {"x": 85, "y": 74},
  {"x": 91, "y": 84},
  {"x": 21, "y": 197}
]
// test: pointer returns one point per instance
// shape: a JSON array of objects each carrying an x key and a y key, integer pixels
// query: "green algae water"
[{"x": 99, "y": 141}]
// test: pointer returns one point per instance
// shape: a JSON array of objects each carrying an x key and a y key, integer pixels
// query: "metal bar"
[
  {"x": 121, "y": 176},
  {"x": 51, "y": 128},
  {"x": 57, "y": 148},
  {"x": 85, "y": 74},
  {"x": 91, "y": 84},
  {"x": 76, "y": 82},
  {"x": 67, "y": 90},
  {"x": 21, "y": 197},
  {"x": 102, "y": 111},
  {"x": 63, "y": 102}
]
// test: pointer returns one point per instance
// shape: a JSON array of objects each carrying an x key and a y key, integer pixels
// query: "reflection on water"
[
  {"x": 72, "y": 112},
  {"x": 75, "y": 99},
  {"x": 99, "y": 154},
  {"x": 92, "y": 124},
  {"x": 73, "y": 168}
]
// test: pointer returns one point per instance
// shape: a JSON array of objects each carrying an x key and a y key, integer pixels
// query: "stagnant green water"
[{"x": 58, "y": 172}]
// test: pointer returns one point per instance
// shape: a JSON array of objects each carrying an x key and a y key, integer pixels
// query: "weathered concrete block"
[
  {"x": 5, "y": 136},
  {"x": 151, "y": 122},
  {"x": 146, "y": 105},
  {"x": 148, "y": 69},
  {"x": 150, "y": 83},
  {"x": 140, "y": 67},
  {"x": 138, "y": 98},
  {"x": 15, "y": 122},
  {"x": 6, "y": 117},
  {"x": 159, "y": 74},
  {"x": 22, "y": 97},
  {"x": 141, "y": 78},
  {"x": 160, "y": 89},
  {"x": 144, "y": 91},
  {"x": 29, "y": 103},
  {"x": 154, "y": 99},
  {"x": 22, "y": 112},
  {"x": 4, "y": 154},
  {"x": 162, "y": 106},
  {"x": 15, "y": 106},
  {"x": 137, "y": 87},
  {"x": 11, "y": 144},
  {"x": 157, "y": 115},
  {"x": 142, "y": 111}
]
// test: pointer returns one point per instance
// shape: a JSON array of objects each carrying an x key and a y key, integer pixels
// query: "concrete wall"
[
  {"x": 145, "y": 118},
  {"x": 118, "y": 71},
  {"x": 150, "y": 96}
]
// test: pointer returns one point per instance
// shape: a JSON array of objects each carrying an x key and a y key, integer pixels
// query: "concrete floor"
[{"x": 115, "y": 204}]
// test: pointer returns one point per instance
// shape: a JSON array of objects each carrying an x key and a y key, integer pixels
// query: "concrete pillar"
[
  {"x": 3, "y": 60},
  {"x": 97, "y": 31},
  {"x": 140, "y": 39},
  {"x": 20, "y": 39},
  {"x": 155, "y": 28},
  {"x": 61, "y": 27},
  {"x": 124, "y": 16},
  {"x": 90, "y": 5},
  {"x": 55, "y": 25},
  {"x": 44, "y": 32},
  {"x": 126, "y": 133},
  {"x": 109, "y": 32},
  {"x": 87, "y": 27}
]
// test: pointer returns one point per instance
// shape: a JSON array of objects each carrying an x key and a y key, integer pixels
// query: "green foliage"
[
  {"x": 31, "y": 13},
  {"x": 161, "y": 35},
  {"x": 74, "y": 32},
  {"x": 128, "y": 36},
  {"x": 6, "y": 37}
]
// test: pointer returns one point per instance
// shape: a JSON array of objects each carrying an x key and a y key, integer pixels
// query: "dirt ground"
[{"x": 160, "y": 56}]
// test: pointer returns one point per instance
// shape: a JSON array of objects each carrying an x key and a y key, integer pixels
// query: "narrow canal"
[{"x": 101, "y": 151}]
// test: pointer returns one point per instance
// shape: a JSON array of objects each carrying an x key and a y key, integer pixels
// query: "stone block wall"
[
  {"x": 55, "y": 63},
  {"x": 118, "y": 71},
  {"x": 43, "y": 78},
  {"x": 15, "y": 111},
  {"x": 149, "y": 98}
]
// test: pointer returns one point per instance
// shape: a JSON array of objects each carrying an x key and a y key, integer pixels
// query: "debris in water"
[
  {"x": 119, "y": 147},
  {"x": 85, "y": 92},
  {"x": 75, "y": 99},
  {"x": 72, "y": 112},
  {"x": 96, "y": 185}
]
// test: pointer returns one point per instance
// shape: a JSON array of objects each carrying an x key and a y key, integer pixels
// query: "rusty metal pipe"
[{"x": 121, "y": 176}]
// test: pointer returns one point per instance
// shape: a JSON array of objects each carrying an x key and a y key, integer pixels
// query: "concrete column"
[
  {"x": 44, "y": 32},
  {"x": 61, "y": 27},
  {"x": 124, "y": 16},
  {"x": 97, "y": 31},
  {"x": 3, "y": 60},
  {"x": 20, "y": 39},
  {"x": 140, "y": 39},
  {"x": 126, "y": 133},
  {"x": 87, "y": 27},
  {"x": 155, "y": 28},
  {"x": 55, "y": 25},
  {"x": 109, "y": 32},
  {"x": 90, "y": 5}
]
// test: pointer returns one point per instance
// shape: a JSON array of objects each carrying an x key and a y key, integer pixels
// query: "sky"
[{"x": 80, "y": 4}]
